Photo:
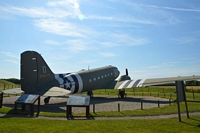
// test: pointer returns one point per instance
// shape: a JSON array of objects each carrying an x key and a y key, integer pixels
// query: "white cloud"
[
  {"x": 51, "y": 42},
  {"x": 109, "y": 44},
  {"x": 127, "y": 40},
  {"x": 77, "y": 45},
  {"x": 59, "y": 57},
  {"x": 185, "y": 40},
  {"x": 106, "y": 54},
  {"x": 52, "y": 10},
  {"x": 154, "y": 66},
  {"x": 12, "y": 61},
  {"x": 87, "y": 61},
  {"x": 10, "y": 55},
  {"x": 58, "y": 27}
]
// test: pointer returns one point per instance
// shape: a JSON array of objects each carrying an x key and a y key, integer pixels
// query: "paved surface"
[{"x": 102, "y": 103}]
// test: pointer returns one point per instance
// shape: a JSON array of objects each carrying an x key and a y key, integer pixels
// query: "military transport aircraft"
[{"x": 37, "y": 78}]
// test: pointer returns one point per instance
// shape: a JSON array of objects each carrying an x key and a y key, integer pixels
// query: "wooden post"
[
  {"x": 93, "y": 108},
  {"x": 141, "y": 105},
  {"x": 118, "y": 107},
  {"x": 193, "y": 93},
  {"x": 158, "y": 104},
  {"x": 1, "y": 99}
]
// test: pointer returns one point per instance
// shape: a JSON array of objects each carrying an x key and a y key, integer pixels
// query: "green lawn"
[
  {"x": 4, "y": 85},
  {"x": 172, "y": 125},
  {"x": 148, "y": 125}
]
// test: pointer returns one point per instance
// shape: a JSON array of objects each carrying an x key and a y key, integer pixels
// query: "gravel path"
[{"x": 102, "y": 103}]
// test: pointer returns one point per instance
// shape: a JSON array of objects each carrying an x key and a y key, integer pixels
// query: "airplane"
[{"x": 37, "y": 78}]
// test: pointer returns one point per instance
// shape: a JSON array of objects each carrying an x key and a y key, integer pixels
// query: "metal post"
[{"x": 179, "y": 111}]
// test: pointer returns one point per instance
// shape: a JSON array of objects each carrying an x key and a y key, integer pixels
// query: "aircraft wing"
[{"x": 150, "y": 82}]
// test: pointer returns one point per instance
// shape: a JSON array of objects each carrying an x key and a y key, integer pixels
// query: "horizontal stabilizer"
[
  {"x": 57, "y": 91},
  {"x": 13, "y": 91}
]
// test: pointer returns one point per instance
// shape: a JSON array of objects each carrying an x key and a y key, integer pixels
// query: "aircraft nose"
[{"x": 116, "y": 72}]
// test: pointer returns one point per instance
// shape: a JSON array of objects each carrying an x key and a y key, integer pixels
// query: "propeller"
[{"x": 126, "y": 72}]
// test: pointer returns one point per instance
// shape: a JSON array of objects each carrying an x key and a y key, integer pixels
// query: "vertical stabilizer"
[{"x": 35, "y": 73}]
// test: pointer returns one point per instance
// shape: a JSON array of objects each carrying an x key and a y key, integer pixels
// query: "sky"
[{"x": 152, "y": 38}]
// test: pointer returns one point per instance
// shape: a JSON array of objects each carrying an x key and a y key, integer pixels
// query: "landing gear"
[
  {"x": 122, "y": 93},
  {"x": 90, "y": 93},
  {"x": 46, "y": 100}
]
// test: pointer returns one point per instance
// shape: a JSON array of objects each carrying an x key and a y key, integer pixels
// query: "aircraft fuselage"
[{"x": 87, "y": 80}]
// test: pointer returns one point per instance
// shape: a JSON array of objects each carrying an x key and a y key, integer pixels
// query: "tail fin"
[{"x": 35, "y": 73}]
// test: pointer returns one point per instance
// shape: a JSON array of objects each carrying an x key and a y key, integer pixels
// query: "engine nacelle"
[{"x": 124, "y": 77}]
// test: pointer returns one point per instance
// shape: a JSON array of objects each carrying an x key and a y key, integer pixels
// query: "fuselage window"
[
  {"x": 98, "y": 77},
  {"x": 94, "y": 79},
  {"x": 90, "y": 80},
  {"x": 108, "y": 75},
  {"x": 102, "y": 76},
  {"x": 105, "y": 75},
  {"x": 111, "y": 74}
]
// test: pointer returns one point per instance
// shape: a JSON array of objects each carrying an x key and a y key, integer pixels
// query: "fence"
[{"x": 119, "y": 106}]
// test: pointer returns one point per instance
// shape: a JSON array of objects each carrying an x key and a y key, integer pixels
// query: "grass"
[
  {"x": 148, "y": 125},
  {"x": 7, "y": 85},
  {"x": 115, "y": 126}
]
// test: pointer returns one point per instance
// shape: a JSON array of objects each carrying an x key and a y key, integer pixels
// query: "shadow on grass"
[
  {"x": 72, "y": 117},
  {"x": 19, "y": 113}
]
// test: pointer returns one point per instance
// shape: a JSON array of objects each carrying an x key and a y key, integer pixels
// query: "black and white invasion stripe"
[
  {"x": 70, "y": 81},
  {"x": 131, "y": 83}
]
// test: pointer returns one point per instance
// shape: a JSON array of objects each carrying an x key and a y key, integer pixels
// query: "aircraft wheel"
[
  {"x": 122, "y": 93},
  {"x": 46, "y": 100},
  {"x": 90, "y": 93}
]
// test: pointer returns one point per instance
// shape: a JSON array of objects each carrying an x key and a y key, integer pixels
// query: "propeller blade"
[{"x": 126, "y": 71}]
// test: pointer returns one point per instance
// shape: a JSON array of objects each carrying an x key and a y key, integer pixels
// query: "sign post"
[
  {"x": 181, "y": 97},
  {"x": 1, "y": 99},
  {"x": 78, "y": 101},
  {"x": 28, "y": 99}
]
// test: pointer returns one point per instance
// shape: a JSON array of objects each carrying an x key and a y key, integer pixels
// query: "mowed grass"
[
  {"x": 4, "y": 85},
  {"x": 96, "y": 126},
  {"x": 172, "y": 125}
]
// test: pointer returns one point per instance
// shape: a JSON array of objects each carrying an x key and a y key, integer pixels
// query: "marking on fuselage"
[
  {"x": 69, "y": 79},
  {"x": 76, "y": 83},
  {"x": 80, "y": 82}
]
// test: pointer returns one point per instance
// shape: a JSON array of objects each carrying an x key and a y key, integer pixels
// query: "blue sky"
[{"x": 152, "y": 38}]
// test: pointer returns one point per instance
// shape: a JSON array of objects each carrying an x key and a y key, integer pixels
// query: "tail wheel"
[
  {"x": 46, "y": 100},
  {"x": 90, "y": 93}
]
